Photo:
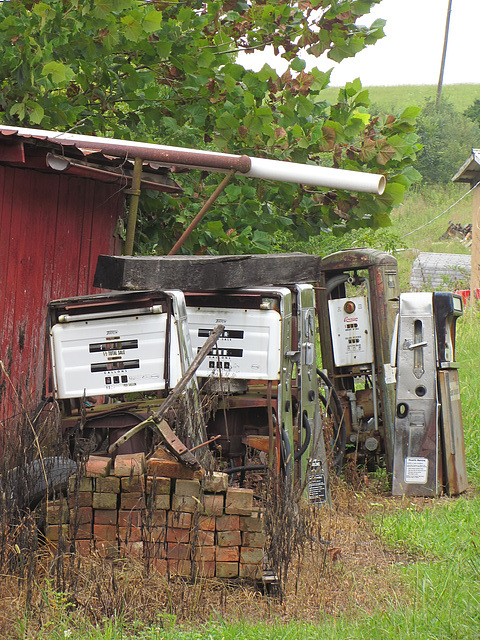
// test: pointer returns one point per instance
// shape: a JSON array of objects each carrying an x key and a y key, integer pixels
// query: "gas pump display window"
[
  {"x": 249, "y": 347},
  {"x": 351, "y": 331},
  {"x": 108, "y": 356}
]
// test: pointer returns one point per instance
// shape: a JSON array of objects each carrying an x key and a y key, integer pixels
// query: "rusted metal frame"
[
  {"x": 204, "y": 444},
  {"x": 156, "y": 419},
  {"x": 134, "y": 192},
  {"x": 271, "y": 434},
  {"x": 201, "y": 214}
]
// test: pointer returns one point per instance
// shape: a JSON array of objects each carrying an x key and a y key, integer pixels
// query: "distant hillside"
[{"x": 397, "y": 98}]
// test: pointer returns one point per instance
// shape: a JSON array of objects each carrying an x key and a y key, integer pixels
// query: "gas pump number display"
[
  {"x": 351, "y": 331},
  {"x": 248, "y": 349}
]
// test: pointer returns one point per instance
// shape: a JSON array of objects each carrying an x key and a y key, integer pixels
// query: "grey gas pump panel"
[{"x": 417, "y": 459}]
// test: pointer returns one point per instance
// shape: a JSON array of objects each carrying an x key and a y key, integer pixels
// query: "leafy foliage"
[
  {"x": 166, "y": 71},
  {"x": 473, "y": 111},
  {"x": 447, "y": 138}
]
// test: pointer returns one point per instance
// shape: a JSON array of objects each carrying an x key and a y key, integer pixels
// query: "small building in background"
[
  {"x": 440, "y": 272},
  {"x": 469, "y": 172}
]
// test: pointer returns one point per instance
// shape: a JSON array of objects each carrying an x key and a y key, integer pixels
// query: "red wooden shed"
[{"x": 60, "y": 207}]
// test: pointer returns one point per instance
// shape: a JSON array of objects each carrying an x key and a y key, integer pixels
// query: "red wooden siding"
[{"x": 52, "y": 229}]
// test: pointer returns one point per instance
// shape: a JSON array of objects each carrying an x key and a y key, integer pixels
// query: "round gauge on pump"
[{"x": 349, "y": 307}]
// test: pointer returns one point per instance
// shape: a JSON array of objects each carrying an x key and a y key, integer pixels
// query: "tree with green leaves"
[
  {"x": 447, "y": 138},
  {"x": 166, "y": 71}
]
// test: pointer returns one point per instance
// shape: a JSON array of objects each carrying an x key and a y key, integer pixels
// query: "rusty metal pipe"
[
  {"x": 196, "y": 221},
  {"x": 134, "y": 192},
  {"x": 308, "y": 174}
]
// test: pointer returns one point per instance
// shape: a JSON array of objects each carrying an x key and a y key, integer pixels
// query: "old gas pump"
[
  {"x": 264, "y": 370},
  {"x": 357, "y": 303},
  {"x": 105, "y": 346},
  {"x": 429, "y": 451}
]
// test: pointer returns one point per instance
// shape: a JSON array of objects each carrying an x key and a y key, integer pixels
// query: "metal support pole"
[
  {"x": 134, "y": 192},
  {"x": 195, "y": 222}
]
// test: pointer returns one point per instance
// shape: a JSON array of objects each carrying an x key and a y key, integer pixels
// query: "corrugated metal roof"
[
  {"x": 60, "y": 153},
  {"x": 470, "y": 170}
]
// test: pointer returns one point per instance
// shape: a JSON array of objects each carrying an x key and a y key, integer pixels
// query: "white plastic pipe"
[
  {"x": 316, "y": 176},
  {"x": 162, "y": 155}
]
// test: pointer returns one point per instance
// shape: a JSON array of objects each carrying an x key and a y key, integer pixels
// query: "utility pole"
[{"x": 444, "y": 54}]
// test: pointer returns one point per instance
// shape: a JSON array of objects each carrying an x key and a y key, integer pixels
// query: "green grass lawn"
[{"x": 397, "y": 98}]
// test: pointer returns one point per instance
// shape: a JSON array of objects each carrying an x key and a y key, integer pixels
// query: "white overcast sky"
[{"x": 411, "y": 51}]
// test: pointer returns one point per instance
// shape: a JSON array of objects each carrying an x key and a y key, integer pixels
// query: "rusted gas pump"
[{"x": 357, "y": 303}]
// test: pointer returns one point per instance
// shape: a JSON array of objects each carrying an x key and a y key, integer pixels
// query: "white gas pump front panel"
[
  {"x": 248, "y": 349},
  {"x": 113, "y": 355},
  {"x": 351, "y": 331}
]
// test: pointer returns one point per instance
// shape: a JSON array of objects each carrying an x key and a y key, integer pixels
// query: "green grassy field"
[{"x": 397, "y": 98}]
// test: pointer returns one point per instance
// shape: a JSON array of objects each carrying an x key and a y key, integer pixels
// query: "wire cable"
[{"x": 441, "y": 214}]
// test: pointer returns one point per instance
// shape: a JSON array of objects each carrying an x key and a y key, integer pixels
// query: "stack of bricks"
[{"x": 183, "y": 524}]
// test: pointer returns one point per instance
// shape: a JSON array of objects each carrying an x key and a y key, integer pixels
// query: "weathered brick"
[
  {"x": 132, "y": 501},
  {"x": 189, "y": 488},
  {"x": 204, "y": 554},
  {"x": 172, "y": 469},
  {"x": 178, "y": 551},
  {"x": 156, "y": 518},
  {"x": 251, "y": 555},
  {"x": 178, "y": 535},
  {"x": 226, "y": 569},
  {"x": 82, "y": 515},
  {"x": 155, "y": 534},
  {"x": 250, "y": 523},
  {"x": 54, "y": 532},
  {"x": 129, "y": 517},
  {"x": 76, "y": 483},
  {"x": 105, "y": 517},
  {"x": 227, "y": 523},
  {"x": 184, "y": 503},
  {"x": 229, "y": 538},
  {"x": 154, "y": 550},
  {"x": 105, "y": 532},
  {"x": 239, "y": 501},
  {"x": 253, "y": 539},
  {"x": 84, "y": 547},
  {"x": 80, "y": 499},
  {"x": 58, "y": 513},
  {"x": 179, "y": 519},
  {"x": 161, "y": 501},
  {"x": 227, "y": 554},
  {"x": 204, "y": 569},
  {"x": 133, "y": 484},
  {"x": 109, "y": 484},
  {"x": 104, "y": 501},
  {"x": 158, "y": 485},
  {"x": 129, "y": 464},
  {"x": 206, "y": 523},
  {"x": 98, "y": 466},
  {"x": 81, "y": 531},
  {"x": 131, "y": 549},
  {"x": 250, "y": 571},
  {"x": 130, "y": 534},
  {"x": 160, "y": 565},
  {"x": 213, "y": 504},
  {"x": 202, "y": 538},
  {"x": 180, "y": 568},
  {"x": 215, "y": 482}
]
